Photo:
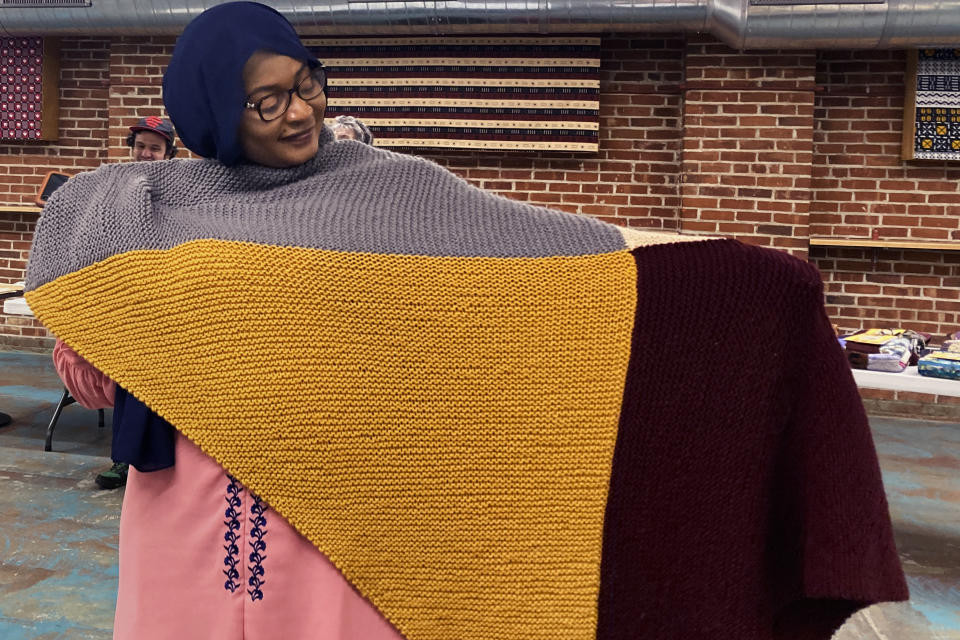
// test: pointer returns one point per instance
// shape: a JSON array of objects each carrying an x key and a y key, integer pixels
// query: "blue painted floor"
[{"x": 58, "y": 531}]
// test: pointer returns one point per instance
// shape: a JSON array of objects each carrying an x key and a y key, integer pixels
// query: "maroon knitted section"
[{"x": 745, "y": 500}]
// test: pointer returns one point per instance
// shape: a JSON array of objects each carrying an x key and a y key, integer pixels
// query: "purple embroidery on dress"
[
  {"x": 258, "y": 546},
  {"x": 231, "y": 536}
]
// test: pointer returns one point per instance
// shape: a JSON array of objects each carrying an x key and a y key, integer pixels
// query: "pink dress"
[{"x": 202, "y": 558}]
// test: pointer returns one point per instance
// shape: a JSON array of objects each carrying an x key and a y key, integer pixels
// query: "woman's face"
[{"x": 294, "y": 137}]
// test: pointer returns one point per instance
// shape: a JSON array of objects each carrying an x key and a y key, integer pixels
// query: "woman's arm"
[{"x": 86, "y": 383}]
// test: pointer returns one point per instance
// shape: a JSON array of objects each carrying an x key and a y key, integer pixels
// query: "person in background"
[
  {"x": 152, "y": 138},
  {"x": 366, "y": 400},
  {"x": 350, "y": 128}
]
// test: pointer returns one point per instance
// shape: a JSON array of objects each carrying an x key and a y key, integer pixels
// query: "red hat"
[{"x": 156, "y": 124}]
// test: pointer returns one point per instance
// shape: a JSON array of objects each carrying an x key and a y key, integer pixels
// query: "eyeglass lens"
[{"x": 276, "y": 104}]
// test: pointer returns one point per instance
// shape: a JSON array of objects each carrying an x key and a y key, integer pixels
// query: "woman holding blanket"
[{"x": 366, "y": 400}]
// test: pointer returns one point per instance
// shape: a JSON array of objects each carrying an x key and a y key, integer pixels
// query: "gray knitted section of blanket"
[{"x": 350, "y": 197}]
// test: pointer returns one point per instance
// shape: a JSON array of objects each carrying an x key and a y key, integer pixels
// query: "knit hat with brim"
[{"x": 157, "y": 125}]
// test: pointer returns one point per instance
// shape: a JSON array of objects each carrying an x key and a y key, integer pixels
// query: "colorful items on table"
[
  {"x": 940, "y": 364},
  {"x": 884, "y": 349}
]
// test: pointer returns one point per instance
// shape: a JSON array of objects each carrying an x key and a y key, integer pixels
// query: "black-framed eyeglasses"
[{"x": 274, "y": 105}]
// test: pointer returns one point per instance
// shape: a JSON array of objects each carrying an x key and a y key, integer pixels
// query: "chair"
[{"x": 65, "y": 400}]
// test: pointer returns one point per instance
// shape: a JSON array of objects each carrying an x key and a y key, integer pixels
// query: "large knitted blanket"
[{"x": 499, "y": 422}]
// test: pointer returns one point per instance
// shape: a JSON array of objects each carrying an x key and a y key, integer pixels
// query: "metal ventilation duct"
[{"x": 743, "y": 24}]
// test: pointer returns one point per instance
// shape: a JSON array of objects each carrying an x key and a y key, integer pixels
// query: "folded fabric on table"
[
  {"x": 894, "y": 356},
  {"x": 862, "y": 346},
  {"x": 951, "y": 346},
  {"x": 940, "y": 364}
]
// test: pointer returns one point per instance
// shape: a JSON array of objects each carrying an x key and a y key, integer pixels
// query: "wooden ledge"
[
  {"x": 19, "y": 208},
  {"x": 934, "y": 245}
]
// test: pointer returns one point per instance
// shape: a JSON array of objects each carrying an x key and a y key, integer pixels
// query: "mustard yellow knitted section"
[{"x": 441, "y": 428}]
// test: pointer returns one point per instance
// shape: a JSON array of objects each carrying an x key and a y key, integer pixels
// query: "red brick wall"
[
  {"x": 136, "y": 71},
  {"x": 84, "y": 111},
  {"x": 748, "y": 122},
  {"x": 16, "y": 232},
  {"x": 84, "y": 82},
  {"x": 861, "y": 188},
  {"x": 771, "y": 147},
  {"x": 918, "y": 290},
  {"x": 107, "y": 84},
  {"x": 860, "y": 184},
  {"x": 923, "y": 406},
  {"x": 634, "y": 179}
]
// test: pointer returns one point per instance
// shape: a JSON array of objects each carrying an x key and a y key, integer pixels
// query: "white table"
[
  {"x": 908, "y": 380},
  {"x": 17, "y": 307},
  {"x": 6, "y": 291}
]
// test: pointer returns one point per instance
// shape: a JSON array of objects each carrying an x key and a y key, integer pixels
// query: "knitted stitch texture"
[
  {"x": 746, "y": 500},
  {"x": 427, "y": 385},
  {"x": 466, "y": 404},
  {"x": 347, "y": 198},
  {"x": 457, "y": 415}
]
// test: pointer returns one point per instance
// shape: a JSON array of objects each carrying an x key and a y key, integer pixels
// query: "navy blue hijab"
[
  {"x": 204, "y": 94},
  {"x": 203, "y": 85}
]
